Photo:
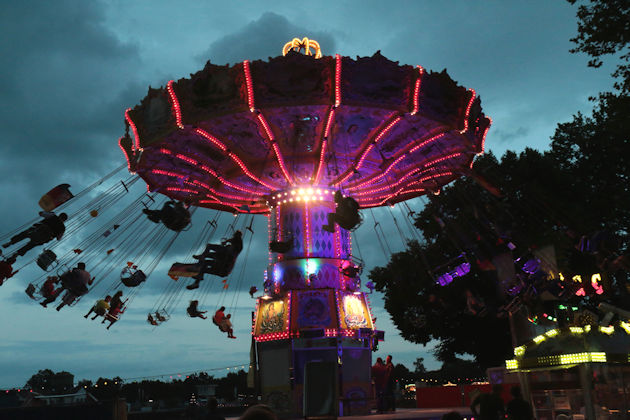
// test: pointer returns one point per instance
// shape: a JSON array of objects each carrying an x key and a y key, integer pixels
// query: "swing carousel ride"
[{"x": 295, "y": 139}]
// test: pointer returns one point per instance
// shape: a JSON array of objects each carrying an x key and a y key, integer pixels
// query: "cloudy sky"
[{"x": 70, "y": 69}]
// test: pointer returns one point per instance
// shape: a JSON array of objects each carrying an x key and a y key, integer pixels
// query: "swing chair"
[
  {"x": 281, "y": 247},
  {"x": 352, "y": 267},
  {"x": 455, "y": 267},
  {"x": 47, "y": 260},
  {"x": 130, "y": 276}
]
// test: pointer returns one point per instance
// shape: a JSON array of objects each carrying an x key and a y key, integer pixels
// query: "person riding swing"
[
  {"x": 218, "y": 259},
  {"x": 194, "y": 312},
  {"x": 223, "y": 322},
  {"x": 51, "y": 227},
  {"x": 173, "y": 214},
  {"x": 346, "y": 213}
]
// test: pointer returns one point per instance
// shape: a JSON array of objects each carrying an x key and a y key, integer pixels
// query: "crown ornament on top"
[{"x": 308, "y": 45}]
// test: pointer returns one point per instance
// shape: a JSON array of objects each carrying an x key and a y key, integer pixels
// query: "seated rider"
[
  {"x": 218, "y": 259},
  {"x": 151, "y": 321},
  {"x": 76, "y": 283},
  {"x": 48, "y": 290},
  {"x": 6, "y": 269},
  {"x": 346, "y": 213},
  {"x": 173, "y": 214},
  {"x": 219, "y": 316},
  {"x": 226, "y": 326},
  {"x": 113, "y": 314},
  {"x": 223, "y": 322},
  {"x": 193, "y": 312},
  {"x": 52, "y": 226},
  {"x": 100, "y": 307},
  {"x": 282, "y": 247},
  {"x": 159, "y": 317}
]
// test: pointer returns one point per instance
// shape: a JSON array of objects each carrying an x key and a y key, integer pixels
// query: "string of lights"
[{"x": 176, "y": 375}]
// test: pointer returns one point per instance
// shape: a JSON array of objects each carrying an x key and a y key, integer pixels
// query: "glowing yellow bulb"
[{"x": 551, "y": 333}]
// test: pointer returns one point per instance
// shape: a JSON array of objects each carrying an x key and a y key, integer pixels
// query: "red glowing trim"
[
  {"x": 391, "y": 166},
  {"x": 250, "y": 86},
  {"x": 134, "y": 129},
  {"x": 472, "y": 98},
  {"x": 320, "y": 165},
  {"x": 247, "y": 172},
  {"x": 208, "y": 170},
  {"x": 344, "y": 179},
  {"x": 212, "y": 139},
  {"x": 438, "y": 175},
  {"x": 125, "y": 153},
  {"x": 426, "y": 142},
  {"x": 331, "y": 116},
  {"x": 275, "y": 147},
  {"x": 387, "y": 128},
  {"x": 306, "y": 234},
  {"x": 351, "y": 170},
  {"x": 276, "y": 150},
  {"x": 442, "y": 159},
  {"x": 167, "y": 173},
  {"x": 384, "y": 174},
  {"x": 378, "y": 138},
  {"x": 183, "y": 190},
  {"x": 337, "y": 80},
  {"x": 402, "y": 191},
  {"x": 222, "y": 194},
  {"x": 387, "y": 187},
  {"x": 483, "y": 138},
  {"x": 365, "y": 153},
  {"x": 175, "y": 104},
  {"x": 416, "y": 91}
]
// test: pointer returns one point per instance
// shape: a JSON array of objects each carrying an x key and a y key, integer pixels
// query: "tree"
[
  {"x": 604, "y": 29},
  {"x": 420, "y": 370},
  {"x": 578, "y": 188},
  {"x": 46, "y": 381},
  {"x": 40, "y": 382},
  {"x": 232, "y": 385}
]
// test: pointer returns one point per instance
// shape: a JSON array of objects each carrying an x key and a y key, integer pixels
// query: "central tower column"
[{"x": 312, "y": 309}]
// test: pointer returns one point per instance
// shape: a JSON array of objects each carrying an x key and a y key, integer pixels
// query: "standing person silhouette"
[
  {"x": 490, "y": 405},
  {"x": 517, "y": 408},
  {"x": 390, "y": 385}
]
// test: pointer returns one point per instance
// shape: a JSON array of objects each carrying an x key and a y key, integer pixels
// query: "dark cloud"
[
  {"x": 509, "y": 136},
  {"x": 65, "y": 85},
  {"x": 261, "y": 39}
]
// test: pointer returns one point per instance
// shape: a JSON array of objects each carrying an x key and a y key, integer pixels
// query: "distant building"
[
  {"x": 77, "y": 398},
  {"x": 206, "y": 390}
]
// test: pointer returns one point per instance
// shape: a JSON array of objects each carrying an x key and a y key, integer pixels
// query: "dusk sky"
[{"x": 71, "y": 68}]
